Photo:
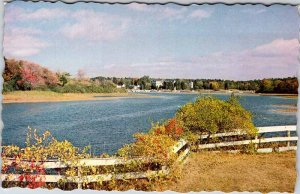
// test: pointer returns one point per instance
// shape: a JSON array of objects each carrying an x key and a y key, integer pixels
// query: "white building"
[
  {"x": 157, "y": 83},
  {"x": 191, "y": 84},
  {"x": 136, "y": 87},
  {"x": 122, "y": 86}
]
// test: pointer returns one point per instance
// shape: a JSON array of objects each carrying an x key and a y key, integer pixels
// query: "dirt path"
[{"x": 237, "y": 172}]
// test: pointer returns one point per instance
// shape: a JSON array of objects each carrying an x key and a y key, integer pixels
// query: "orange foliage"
[{"x": 171, "y": 128}]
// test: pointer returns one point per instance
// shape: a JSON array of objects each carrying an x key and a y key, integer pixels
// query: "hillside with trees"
[{"x": 24, "y": 75}]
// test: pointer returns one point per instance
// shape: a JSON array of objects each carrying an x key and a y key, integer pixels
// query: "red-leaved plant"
[{"x": 172, "y": 128}]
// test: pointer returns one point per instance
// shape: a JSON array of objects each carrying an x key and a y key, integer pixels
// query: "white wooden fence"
[
  {"x": 258, "y": 140},
  {"x": 181, "y": 148}
]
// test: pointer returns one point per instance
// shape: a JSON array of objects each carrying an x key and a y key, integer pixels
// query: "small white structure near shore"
[{"x": 157, "y": 83}]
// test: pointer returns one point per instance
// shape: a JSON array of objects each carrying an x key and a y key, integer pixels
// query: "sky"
[{"x": 240, "y": 42}]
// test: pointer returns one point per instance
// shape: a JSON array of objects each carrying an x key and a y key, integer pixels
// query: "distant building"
[
  {"x": 136, "y": 87},
  {"x": 121, "y": 86},
  {"x": 191, "y": 84},
  {"x": 157, "y": 83}
]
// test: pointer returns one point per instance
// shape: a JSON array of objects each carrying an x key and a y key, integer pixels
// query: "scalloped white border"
[{"x": 183, "y": 2}]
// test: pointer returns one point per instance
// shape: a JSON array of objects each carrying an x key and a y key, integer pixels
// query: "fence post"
[
  {"x": 289, "y": 135},
  {"x": 255, "y": 144},
  {"x": 79, "y": 184}
]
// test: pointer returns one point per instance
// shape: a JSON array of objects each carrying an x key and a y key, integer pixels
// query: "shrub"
[
  {"x": 209, "y": 115},
  {"x": 154, "y": 147},
  {"x": 8, "y": 86},
  {"x": 86, "y": 87},
  {"x": 153, "y": 151},
  {"x": 28, "y": 162}
]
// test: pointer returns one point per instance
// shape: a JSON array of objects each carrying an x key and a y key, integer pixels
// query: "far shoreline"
[
  {"x": 49, "y": 96},
  {"x": 228, "y": 92}
]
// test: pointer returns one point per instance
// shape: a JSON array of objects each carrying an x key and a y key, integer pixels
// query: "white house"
[
  {"x": 122, "y": 86},
  {"x": 191, "y": 84},
  {"x": 157, "y": 83},
  {"x": 136, "y": 87}
]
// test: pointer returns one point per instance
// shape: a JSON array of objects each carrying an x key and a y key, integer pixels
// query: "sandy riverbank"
[
  {"x": 285, "y": 108},
  {"x": 48, "y": 96},
  {"x": 279, "y": 95}
]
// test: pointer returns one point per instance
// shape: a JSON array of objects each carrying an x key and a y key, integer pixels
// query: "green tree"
[
  {"x": 145, "y": 83},
  {"x": 177, "y": 84},
  {"x": 254, "y": 86},
  {"x": 267, "y": 85},
  {"x": 198, "y": 84},
  {"x": 214, "y": 85},
  {"x": 210, "y": 115},
  {"x": 168, "y": 85},
  {"x": 63, "y": 78},
  {"x": 183, "y": 85},
  {"x": 226, "y": 86}
]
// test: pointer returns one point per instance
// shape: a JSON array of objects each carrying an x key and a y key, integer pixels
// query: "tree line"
[
  {"x": 287, "y": 85},
  {"x": 24, "y": 75}
]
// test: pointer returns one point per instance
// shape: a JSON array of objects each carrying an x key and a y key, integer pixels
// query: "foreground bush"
[
  {"x": 172, "y": 128},
  {"x": 28, "y": 162},
  {"x": 150, "y": 152},
  {"x": 152, "y": 147},
  {"x": 209, "y": 115}
]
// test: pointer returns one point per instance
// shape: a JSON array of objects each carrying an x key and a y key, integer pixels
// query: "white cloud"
[
  {"x": 39, "y": 14},
  {"x": 275, "y": 59},
  {"x": 44, "y": 13},
  {"x": 278, "y": 48},
  {"x": 254, "y": 11},
  {"x": 22, "y": 42},
  {"x": 138, "y": 6},
  {"x": 95, "y": 26},
  {"x": 89, "y": 24},
  {"x": 200, "y": 14},
  {"x": 172, "y": 13},
  {"x": 163, "y": 12},
  {"x": 24, "y": 31}
]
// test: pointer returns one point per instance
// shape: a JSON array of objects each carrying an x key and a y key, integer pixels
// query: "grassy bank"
[
  {"x": 237, "y": 172},
  {"x": 49, "y": 96}
]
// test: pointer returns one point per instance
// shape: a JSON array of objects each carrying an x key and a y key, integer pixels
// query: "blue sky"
[{"x": 239, "y": 42}]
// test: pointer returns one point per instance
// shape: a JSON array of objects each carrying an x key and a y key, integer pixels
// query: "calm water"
[{"x": 109, "y": 124}]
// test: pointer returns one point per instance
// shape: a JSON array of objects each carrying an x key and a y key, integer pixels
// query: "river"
[{"x": 107, "y": 125}]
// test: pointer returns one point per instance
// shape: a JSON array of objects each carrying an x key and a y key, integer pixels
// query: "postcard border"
[{"x": 180, "y": 2}]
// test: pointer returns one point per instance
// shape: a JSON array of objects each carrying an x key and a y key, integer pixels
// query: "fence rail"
[
  {"x": 179, "y": 149},
  {"x": 89, "y": 178},
  {"x": 258, "y": 139}
]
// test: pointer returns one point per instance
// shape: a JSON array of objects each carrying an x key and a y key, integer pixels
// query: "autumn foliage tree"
[{"x": 25, "y": 75}]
